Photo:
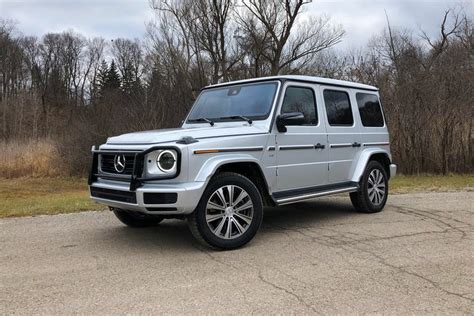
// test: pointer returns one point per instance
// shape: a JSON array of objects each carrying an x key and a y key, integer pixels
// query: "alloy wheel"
[
  {"x": 229, "y": 212},
  {"x": 376, "y": 187}
]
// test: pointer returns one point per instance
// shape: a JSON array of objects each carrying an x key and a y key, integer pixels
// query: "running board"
[{"x": 282, "y": 198}]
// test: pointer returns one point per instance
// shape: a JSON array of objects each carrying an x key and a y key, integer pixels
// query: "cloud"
[
  {"x": 361, "y": 19},
  {"x": 109, "y": 19}
]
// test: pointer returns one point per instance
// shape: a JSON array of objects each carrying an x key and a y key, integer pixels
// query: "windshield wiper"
[
  {"x": 202, "y": 119},
  {"x": 234, "y": 117}
]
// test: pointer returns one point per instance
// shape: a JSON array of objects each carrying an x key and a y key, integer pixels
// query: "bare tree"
[
  {"x": 63, "y": 85},
  {"x": 278, "y": 19}
]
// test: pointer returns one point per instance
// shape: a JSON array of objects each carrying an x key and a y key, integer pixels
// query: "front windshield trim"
[{"x": 252, "y": 117}]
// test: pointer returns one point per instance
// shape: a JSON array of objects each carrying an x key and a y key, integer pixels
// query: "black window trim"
[
  {"x": 304, "y": 85},
  {"x": 381, "y": 109},
  {"x": 348, "y": 93}
]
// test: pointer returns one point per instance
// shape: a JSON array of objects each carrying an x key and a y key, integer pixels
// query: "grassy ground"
[
  {"x": 36, "y": 196},
  {"x": 406, "y": 184}
]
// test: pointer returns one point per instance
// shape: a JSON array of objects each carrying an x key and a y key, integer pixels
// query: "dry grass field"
[{"x": 32, "y": 158}]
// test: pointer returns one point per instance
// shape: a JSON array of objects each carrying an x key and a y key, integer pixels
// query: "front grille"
[
  {"x": 107, "y": 163},
  {"x": 114, "y": 195}
]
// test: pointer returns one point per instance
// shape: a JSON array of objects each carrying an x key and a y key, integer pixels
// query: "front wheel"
[
  {"x": 135, "y": 219},
  {"x": 229, "y": 213},
  {"x": 373, "y": 191}
]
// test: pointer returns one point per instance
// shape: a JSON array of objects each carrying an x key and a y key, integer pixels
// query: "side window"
[
  {"x": 370, "y": 110},
  {"x": 299, "y": 99},
  {"x": 338, "y": 108}
]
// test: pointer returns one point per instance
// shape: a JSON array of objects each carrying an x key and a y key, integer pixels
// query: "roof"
[{"x": 311, "y": 79}]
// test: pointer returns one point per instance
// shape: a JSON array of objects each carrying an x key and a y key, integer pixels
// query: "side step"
[{"x": 293, "y": 196}]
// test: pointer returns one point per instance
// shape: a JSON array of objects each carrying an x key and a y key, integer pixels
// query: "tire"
[
  {"x": 370, "y": 198},
  {"x": 243, "y": 212},
  {"x": 136, "y": 219}
]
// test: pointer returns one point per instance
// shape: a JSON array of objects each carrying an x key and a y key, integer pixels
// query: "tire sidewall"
[
  {"x": 372, "y": 165},
  {"x": 200, "y": 212}
]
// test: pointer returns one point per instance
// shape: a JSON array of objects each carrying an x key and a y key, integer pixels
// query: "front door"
[{"x": 302, "y": 150}]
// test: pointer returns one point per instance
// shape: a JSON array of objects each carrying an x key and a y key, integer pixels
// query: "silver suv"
[{"x": 245, "y": 145}]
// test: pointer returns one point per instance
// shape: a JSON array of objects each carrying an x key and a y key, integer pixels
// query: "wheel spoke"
[
  {"x": 210, "y": 218},
  {"x": 372, "y": 196},
  {"x": 379, "y": 177},
  {"x": 218, "y": 229},
  {"x": 241, "y": 196},
  {"x": 245, "y": 206},
  {"x": 220, "y": 194},
  {"x": 245, "y": 218},
  {"x": 239, "y": 227},
  {"x": 382, "y": 194},
  {"x": 214, "y": 206},
  {"x": 379, "y": 197},
  {"x": 230, "y": 189},
  {"x": 228, "y": 232}
]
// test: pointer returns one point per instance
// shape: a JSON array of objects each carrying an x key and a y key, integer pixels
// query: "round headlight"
[{"x": 166, "y": 161}]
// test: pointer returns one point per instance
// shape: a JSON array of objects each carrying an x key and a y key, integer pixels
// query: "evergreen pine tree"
[
  {"x": 102, "y": 74},
  {"x": 112, "y": 80},
  {"x": 98, "y": 85}
]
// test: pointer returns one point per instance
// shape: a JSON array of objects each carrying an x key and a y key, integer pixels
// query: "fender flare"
[
  {"x": 359, "y": 164},
  {"x": 210, "y": 167}
]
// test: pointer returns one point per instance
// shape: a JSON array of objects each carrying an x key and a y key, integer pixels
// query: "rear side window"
[
  {"x": 370, "y": 110},
  {"x": 298, "y": 99},
  {"x": 338, "y": 108}
]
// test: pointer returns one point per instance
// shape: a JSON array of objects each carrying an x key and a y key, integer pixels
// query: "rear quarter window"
[
  {"x": 370, "y": 110},
  {"x": 338, "y": 108}
]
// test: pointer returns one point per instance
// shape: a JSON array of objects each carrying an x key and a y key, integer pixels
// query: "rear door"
[
  {"x": 300, "y": 163},
  {"x": 343, "y": 133}
]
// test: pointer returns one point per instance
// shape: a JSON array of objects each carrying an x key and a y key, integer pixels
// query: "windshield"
[{"x": 253, "y": 101}]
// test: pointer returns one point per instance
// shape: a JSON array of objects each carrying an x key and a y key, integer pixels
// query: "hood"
[{"x": 175, "y": 134}]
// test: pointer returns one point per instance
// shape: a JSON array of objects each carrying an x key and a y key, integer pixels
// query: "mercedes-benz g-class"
[{"x": 245, "y": 145}]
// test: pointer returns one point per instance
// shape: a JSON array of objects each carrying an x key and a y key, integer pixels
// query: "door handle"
[
  {"x": 319, "y": 146},
  {"x": 356, "y": 144}
]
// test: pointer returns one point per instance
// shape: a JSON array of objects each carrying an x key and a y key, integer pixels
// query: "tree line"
[{"x": 77, "y": 90}]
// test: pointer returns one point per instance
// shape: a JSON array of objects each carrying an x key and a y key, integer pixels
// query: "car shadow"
[
  {"x": 174, "y": 235},
  {"x": 310, "y": 213}
]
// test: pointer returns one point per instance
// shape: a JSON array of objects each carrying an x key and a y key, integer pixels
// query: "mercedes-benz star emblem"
[{"x": 119, "y": 163}]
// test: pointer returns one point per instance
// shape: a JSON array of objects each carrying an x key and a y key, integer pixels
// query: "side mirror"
[{"x": 288, "y": 119}]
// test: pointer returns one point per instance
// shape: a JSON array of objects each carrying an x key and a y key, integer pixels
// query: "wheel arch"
[
  {"x": 247, "y": 166},
  {"x": 377, "y": 154}
]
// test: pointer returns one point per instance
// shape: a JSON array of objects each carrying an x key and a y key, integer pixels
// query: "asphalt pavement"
[{"x": 317, "y": 257}]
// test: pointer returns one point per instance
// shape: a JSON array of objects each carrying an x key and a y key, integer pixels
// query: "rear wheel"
[
  {"x": 136, "y": 219},
  {"x": 373, "y": 191},
  {"x": 229, "y": 213}
]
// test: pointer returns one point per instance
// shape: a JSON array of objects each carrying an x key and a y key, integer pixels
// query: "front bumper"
[
  {"x": 188, "y": 196},
  {"x": 393, "y": 170}
]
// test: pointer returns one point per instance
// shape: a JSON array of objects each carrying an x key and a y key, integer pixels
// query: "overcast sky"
[{"x": 126, "y": 18}]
